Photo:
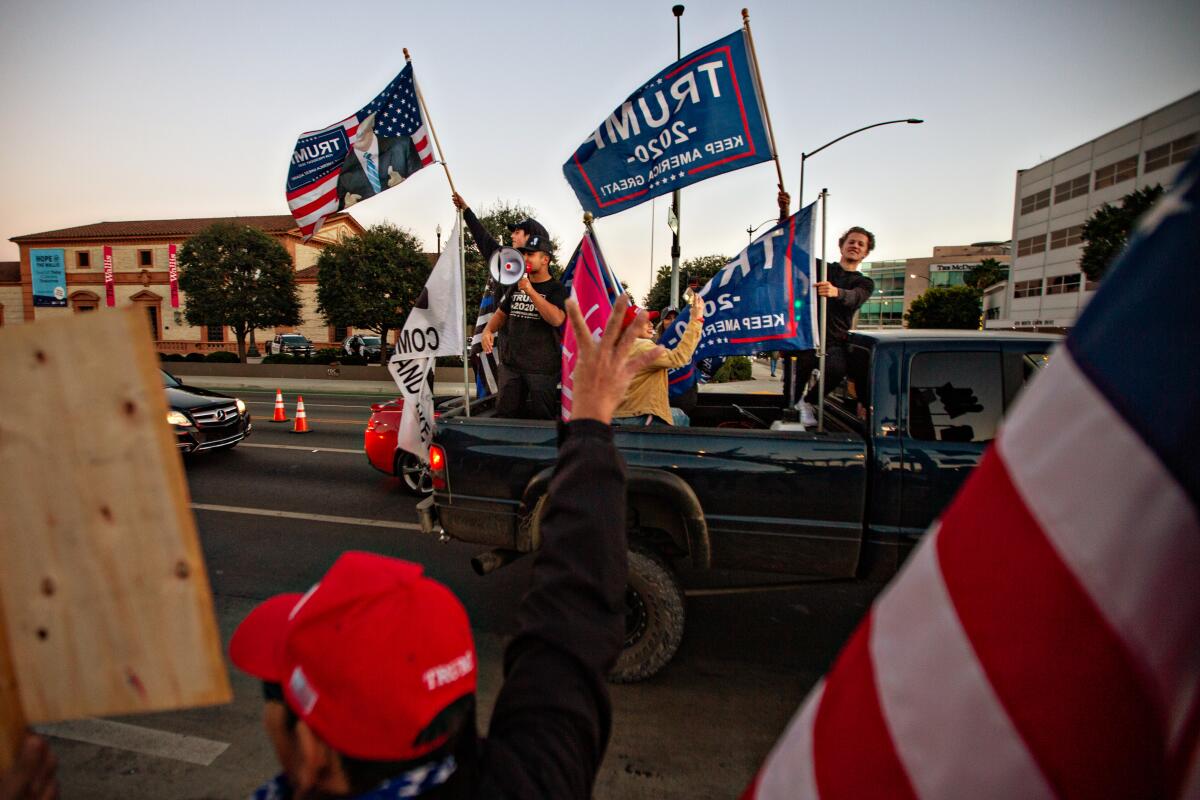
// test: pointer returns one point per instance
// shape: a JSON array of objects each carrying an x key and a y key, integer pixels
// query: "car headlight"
[
  {"x": 241, "y": 407},
  {"x": 177, "y": 418}
]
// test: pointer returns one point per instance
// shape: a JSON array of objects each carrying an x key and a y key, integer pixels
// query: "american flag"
[
  {"x": 1044, "y": 639},
  {"x": 317, "y": 158}
]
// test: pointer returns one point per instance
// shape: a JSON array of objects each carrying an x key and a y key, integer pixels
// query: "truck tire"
[{"x": 654, "y": 617}]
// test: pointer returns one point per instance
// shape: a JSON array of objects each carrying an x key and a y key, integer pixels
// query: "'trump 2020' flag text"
[
  {"x": 761, "y": 300},
  {"x": 698, "y": 118},
  {"x": 367, "y": 153}
]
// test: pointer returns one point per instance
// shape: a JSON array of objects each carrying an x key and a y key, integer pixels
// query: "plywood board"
[{"x": 106, "y": 602}]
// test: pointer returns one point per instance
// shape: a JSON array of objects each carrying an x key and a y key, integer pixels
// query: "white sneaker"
[{"x": 808, "y": 414}]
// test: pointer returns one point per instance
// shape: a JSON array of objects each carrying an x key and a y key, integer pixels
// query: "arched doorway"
[{"x": 151, "y": 303}]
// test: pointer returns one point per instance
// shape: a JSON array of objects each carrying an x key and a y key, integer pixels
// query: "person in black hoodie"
[
  {"x": 370, "y": 676},
  {"x": 845, "y": 292}
]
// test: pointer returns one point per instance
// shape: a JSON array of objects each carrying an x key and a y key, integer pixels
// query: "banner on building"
[
  {"x": 173, "y": 275},
  {"x": 110, "y": 295},
  {"x": 701, "y": 117},
  {"x": 49, "y": 272},
  {"x": 762, "y": 300},
  {"x": 434, "y": 327},
  {"x": 359, "y": 157}
]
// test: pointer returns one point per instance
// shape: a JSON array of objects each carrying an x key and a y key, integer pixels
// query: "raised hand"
[
  {"x": 604, "y": 369},
  {"x": 350, "y": 200},
  {"x": 459, "y": 203},
  {"x": 394, "y": 177}
]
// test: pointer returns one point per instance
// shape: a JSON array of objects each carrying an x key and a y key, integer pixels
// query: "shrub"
[
  {"x": 170, "y": 356},
  {"x": 450, "y": 361},
  {"x": 353, "y": 361},
  {"x": 278, "y": 358},
  {"x": 194, "y": 357},
  {"x": 327, "y": 355},
  {"x": 736, "y": 368},
  {"x": 222, "y": 357}
]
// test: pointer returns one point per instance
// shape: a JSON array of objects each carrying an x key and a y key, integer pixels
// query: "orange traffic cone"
[
  {"x": 280, "y": 414},
  {"x": 301, "y": 425}
]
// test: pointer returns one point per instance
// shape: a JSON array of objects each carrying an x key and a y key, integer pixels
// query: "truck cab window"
[{"x": 954, "y": 397}]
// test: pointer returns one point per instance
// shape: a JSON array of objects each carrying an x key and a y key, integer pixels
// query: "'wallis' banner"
[
  {"x": 698, "y": 118},
  {"x": 762, "y": 300}
]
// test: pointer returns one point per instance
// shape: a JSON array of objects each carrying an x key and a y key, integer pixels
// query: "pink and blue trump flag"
[
  {"x": 1043, "y": 641},
  {"x": 365, "y": 154},
  {"x": 596, "y": 289}
]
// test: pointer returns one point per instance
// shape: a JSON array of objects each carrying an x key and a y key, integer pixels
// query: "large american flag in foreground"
[
  {"x": 1044, "y": 639},
  {"x": 318, "y": 156}
]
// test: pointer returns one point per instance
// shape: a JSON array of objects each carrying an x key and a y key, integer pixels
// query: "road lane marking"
[
  {"x": 148, "y": 741},
  {"x": 268, "y": 512},
  {"x": 357, "y": 452}
]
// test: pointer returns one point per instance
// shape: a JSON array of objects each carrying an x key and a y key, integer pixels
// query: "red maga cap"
[
  {"x": 367, "y": 658},
  {"x": 631, "y": 314}
]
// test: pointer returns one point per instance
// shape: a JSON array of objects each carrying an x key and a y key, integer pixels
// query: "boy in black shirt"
[{"x": 531, "y": 350}]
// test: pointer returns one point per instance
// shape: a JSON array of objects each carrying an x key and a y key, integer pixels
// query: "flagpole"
[
  {"x": 824, "y": 320},
  {"x": 433, "y": 132},
  {"x": 763, "y": 97},
  {"x": 462, "y": 265},
  {"x": 677, "y": 10}
]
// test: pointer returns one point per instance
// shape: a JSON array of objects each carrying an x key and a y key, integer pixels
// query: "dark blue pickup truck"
[{"x": 743, "y": 489}]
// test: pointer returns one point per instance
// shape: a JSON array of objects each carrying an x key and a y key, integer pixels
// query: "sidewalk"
[{"x": 761, "y": 383}]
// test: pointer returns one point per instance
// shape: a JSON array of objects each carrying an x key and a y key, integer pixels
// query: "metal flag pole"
[
  {"x": 762, "y": 94},
  {"x": 824, "y": 321},
  {"x": 677, "y": 10},
  {"x": 462, "y": 261}
]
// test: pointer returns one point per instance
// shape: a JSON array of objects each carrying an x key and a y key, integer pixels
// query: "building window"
[
  {"x": 83, "y": 259},
  {"x": 1171, "y": 153},
  {"x": 1113, "y": 174},
  {"x": 1035, "y": 202},
  {"x": 145, "y": 258},
  {"x": 1076, "y": 187},
  {"x": 214, "y": 333},
  {"x": 992, "y": 313},
  {"x": 1065, "y": 237},
  {"x": 1034, "y": 244},
  {"x": 339, "y": 334},
  {"x": 1062, "y": 284},
  {"x": 1090, "y": 285},
  {"x": 1027, "y": 289}
]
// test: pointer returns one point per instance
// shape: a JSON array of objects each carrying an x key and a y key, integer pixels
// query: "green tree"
[
  {"x": 496, "y": 219},
  {"x": 371, "y": 281},
  {"x": 985, "y": 273},
  {"x": 956, "y": 307},
  {"x": 1107, "y": 229},
  {"x": 238, "y": 276},
  {"x": 703, "y": 267}
]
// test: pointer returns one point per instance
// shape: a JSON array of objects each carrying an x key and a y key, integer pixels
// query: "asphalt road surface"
[{"x": 275, "y": 512}]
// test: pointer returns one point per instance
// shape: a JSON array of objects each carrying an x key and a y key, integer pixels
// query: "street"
[{"x": 275, "y": 512}]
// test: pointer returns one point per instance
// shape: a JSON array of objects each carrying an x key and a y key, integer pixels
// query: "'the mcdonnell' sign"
[{"x": 698, "y": 118}]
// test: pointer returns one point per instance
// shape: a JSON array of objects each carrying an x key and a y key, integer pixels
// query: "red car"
[{"x": 379, "y": 441}]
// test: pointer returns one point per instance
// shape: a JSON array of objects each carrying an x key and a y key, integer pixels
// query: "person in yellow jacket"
[{"x": 646, "y": 400}]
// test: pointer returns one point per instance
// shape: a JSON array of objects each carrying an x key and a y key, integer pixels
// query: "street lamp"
[
  {"x": 750, "y": 231},
  {"x": 914, "y": 276},
  {"x": 439, "y": 237},
  {"x": 805, "y": 156}
]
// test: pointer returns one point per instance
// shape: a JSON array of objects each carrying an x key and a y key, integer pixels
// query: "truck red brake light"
[{"x": 437, "y": 466}]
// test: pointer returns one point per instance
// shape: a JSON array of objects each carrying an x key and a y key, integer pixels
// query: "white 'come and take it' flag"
[{"x": 434, "y": 328}]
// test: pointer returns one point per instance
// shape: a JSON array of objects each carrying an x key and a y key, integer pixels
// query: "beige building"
[
  {"x": 1046, "y": 290},
  {"x": 140, "y": 269}
]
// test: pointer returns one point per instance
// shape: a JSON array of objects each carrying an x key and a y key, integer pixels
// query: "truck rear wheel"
[{"x": 654, "y": 617}]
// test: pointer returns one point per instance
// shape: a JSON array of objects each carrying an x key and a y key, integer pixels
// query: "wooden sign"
[{"x": 105, "y": 606}]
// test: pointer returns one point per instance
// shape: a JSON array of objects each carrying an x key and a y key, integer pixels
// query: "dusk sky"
[{"x": 163, "y": 109}]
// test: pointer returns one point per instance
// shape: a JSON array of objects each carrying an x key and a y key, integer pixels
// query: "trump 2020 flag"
[
  {"x": 761, "y": 300},
  {"x": 434, "y": 328},
  {"x": 1043, "y": 641},
  {"x": 595, "y": 288},
  {"x": 701, "y": 117},
  {"x": 368, "y": 152}
]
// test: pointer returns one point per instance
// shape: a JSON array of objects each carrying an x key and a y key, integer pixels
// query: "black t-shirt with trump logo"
[{"x": 528, "y": 343}]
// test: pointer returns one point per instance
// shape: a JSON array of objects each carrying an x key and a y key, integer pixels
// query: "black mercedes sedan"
[{"x": 204, "y": 420}]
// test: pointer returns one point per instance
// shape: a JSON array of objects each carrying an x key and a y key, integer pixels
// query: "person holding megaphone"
[{"x": 530, "y": 353}]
